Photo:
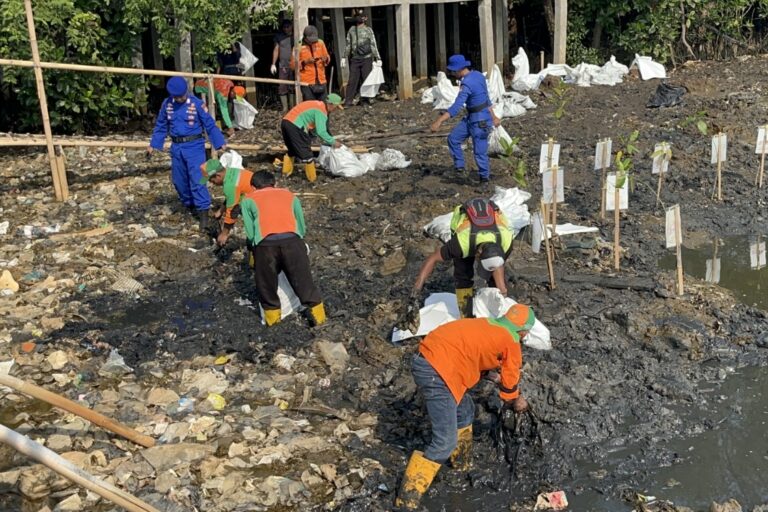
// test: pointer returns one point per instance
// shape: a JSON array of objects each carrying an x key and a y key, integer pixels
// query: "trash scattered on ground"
[
  {"x": 555, "y": 500},
  {"x": 584, "y": 75},
  {"x": 666, "y": 95}
]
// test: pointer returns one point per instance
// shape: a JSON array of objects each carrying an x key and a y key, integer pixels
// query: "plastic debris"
[
  {"x": 115, "y": 365},
  {"x": 217, "y": 401},
  {"x": 555, "y": 500},
  {"x": 7, "y": 282},
  {"x": 666, "y": 96}
]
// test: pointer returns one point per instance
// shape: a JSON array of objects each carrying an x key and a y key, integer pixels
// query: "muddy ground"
[{"x": 625, "y": 363}]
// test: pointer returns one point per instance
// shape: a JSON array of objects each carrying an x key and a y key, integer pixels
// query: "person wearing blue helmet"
[
  {"x": 479, "y": 121},
  {"x": 184, "y": 118}
]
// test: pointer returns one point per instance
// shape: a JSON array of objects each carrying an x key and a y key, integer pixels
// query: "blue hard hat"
[
  {"x": 176, "y": 86},
  {"x": 457, "y": 63}
]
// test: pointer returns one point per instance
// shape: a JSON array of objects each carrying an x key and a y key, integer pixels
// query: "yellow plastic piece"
[
  {"x": 287, "y": 165},
  {"x": 217, "y": 401}
]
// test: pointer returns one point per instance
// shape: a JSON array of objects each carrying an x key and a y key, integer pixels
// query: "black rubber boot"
[{"x": 205, "y": 220}]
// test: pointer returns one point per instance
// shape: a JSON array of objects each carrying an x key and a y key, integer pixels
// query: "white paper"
[
  {"x": 722, "y": 140},
  {"x": 713, "y": 271},
  {"x": 543, "y": 160},
  {"x": 760, "y": 145},
  {"x": 603, "y": 147},
  {"x": 661, "y": 160},
  {"x": 546, "y": 178},
  {"x": 670, "y": 228},
  {"x": 757, "y": 255},
  {"x": 610, "y": 193}
]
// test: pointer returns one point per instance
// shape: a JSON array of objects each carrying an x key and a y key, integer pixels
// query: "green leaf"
[{"x": 702, "y": 126}]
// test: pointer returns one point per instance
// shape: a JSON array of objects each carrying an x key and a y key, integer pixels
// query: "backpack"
[{"x": 481, "y": 214}]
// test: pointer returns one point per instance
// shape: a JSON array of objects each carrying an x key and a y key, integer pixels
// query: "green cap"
[
  {"x": 334, "y": 99},
  {"x": 212, "y": 167}
]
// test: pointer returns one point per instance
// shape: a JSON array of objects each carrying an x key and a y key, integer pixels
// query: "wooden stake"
[
  {"x": 212, "y": 108},
  {"x": 62, "y": 466},
  {"x": 603, "y": 179},
  {"x": 759, "y": 180},
  {"x": 550, "y": 151},
  {"x": 70, "y": 406},
  {"x": 616, "y": 227},
  {"x": 541, "y": 60},
  {"x": 554, "y": 197},
  {"x": 60, "y": 187},
  {"x": 679, "y": 251},
  {"x": 658, "y": 188},
  {"x": 719, "y": 169},
  {"x": 548, "y": 248}
]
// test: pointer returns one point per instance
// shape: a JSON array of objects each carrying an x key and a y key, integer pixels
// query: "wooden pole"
[
  {"x": 616, "y": 227},
  {"x": 602, "y": 179},
  {"x": 212, "y": 108},
  {"x": 135, "y": 71},
  {"x": 68, "y": 470},
  {"x": 58, "y": 174},
  {"x": 404, "y": 74},
  {"x": 420, "y": 40},
  {"x": 561, "y": 30},
  {"x": 548, "y": 247},
  {"x": 679, "y": 252},
  {"x": 297, "y": 29},
  {"x": 75, "y": 408},
  {"x": 541, "y": 60},
  {"x": 485, "y": 14},
  {"x": 759, "y": 180}
]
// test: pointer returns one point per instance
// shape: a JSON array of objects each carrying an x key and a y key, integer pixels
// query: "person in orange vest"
[
  {"x": 222, "y": 93},
  {"x": 313, "y": 58},
  {"x": 449, "y": 362},
  {"x": 236, "y": 183},
  {"x": 299, "y": 124},
  {"x": 275, "y": 229}
]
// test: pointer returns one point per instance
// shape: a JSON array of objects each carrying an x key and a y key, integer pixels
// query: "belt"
[
  {"x": 478, "y": 108},
  {"x": 188, "y": 138}
]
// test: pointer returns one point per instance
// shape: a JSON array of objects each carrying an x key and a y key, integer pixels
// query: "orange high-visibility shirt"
[
  {"x": 234, "y": 189},
  {"x": 311, "y": 72},
  {"x": 460, "y": 350}
]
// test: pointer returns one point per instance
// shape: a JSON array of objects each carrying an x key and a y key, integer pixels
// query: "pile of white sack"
[
  {"x": 344, "y": 162},
  {"x": 511, "y": 201},
  {"x": 584, "y": 75}
]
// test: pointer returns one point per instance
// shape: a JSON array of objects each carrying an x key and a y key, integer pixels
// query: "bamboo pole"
[
  {"x": 548, "y": 248},
  {"x": 616, "y": 227},
  {"x": 719, "y": 179},
  {"x": 554, "y": 197},
  {"x": 137, "y": 71},
  {"x": 212, "y": 108},
  {"x": 550, "y": 151},
  {"x": 602, "y": 179},
  {"x": 75, "y": 408},
  {"x": 62, "y": 466},
  {"x": 661, "y": 180},
  {"x": 679, "y": 251},
  {"x": 297, "y": 28},
  {"x": 57, "y": 173}
]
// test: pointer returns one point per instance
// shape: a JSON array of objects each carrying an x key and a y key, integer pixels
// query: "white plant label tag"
[
  {"x": 757, "y": 255},
  {"x": 670, "y": 227},
  {"x": 544, "y": 161},
  {"x": 661, "y": 160},
  {"x": 603, "y": 150},
  {"x": 761, "y": 146},
  {"x": 547, "y": 181},
  {"x": 610, "y": 193},
  {"x": 537, "y": 232},
  {"x": 713, "y": 271},
  {"x": 719, "y": 148}
]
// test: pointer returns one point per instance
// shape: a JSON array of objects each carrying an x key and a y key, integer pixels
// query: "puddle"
[{"x": 737, "y": 263}]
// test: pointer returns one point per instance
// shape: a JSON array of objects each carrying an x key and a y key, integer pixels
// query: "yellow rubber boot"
[
  {"x": 272, "y": 316},
  {"x": 461, "y": 458},
  {"x": 417, "y": 479},
  {"x": 287, "y": 165},
  {"x": 311, "y": 171},
  {"x": 464, "y": 297},
  {"x": 317, "y": 315},
  {"x": 251, "y": 261}
]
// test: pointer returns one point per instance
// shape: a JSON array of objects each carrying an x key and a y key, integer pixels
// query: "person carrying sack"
[
  {"x": 313, "y": 58},
  {"x": 361, "y": 52}
]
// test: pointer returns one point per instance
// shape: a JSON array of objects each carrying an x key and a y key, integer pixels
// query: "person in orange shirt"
[
  {"x": 236, "y": 183},
  {"x": 449, "y": 362},
  {"x": 313, "y": 58}
]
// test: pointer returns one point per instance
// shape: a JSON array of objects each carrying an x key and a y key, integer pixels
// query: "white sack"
[
  {"x": 428, "y": 96},
  {"x": 231, "y": 159},
  {"x": 523, "y": 80},
  {"x": 247, "y": 59},
  {"x": 441, "y": 308},
  {"x": 495, "y": 85},
  {"x": 444, "y": 92},
  {"x": 494, "y": 140},
  {"x": 440, "y": 227},
  {"x": 289, "y": 302},
  {"x": 324, "y": 156},
  {"x": 344, "y": 162},
  {"x": 245, "y": 114},
  {"x": 373, "y": 81},
  {"x": 648, "y": 67},
  {"x": 391, "y": 159},
  {"x": 369, "y": 160}
]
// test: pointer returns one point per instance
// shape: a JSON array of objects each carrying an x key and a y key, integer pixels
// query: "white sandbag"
[
  {"x": 231, "y": 159},
  {"x": 289, "y": 301},
  {"x": 496, "y": 87},
  {"x": 648, "y": 68},
  {"x": 440, "y": 227},
  {"x": 247, "y": 59},
  {"x": 494, "y": 140},
  {"x": 245, "y": 114},
  {"x": 611, "y": 73},
  {"x": 428, "y": 95},
  {"x": 344, "y": 162},
  {"x": 508, "y": 107},
  {"x": 369, "y": 160},
  {"x": 391, "y": 159},
  {"x": 444, "y": 92},
  {"x": 324, "y": 157},
  {"x": 521, "y": 64},
  {"x": 441, "y": 308},
  {"x": 373, "y": 81}
]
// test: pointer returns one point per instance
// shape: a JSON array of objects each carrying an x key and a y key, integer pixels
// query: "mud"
[{"x": 625, "y": 364}]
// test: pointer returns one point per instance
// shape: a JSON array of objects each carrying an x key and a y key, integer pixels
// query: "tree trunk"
[
  {"x": 597, "y": 34},
  {"x": 549, "y": 16}
]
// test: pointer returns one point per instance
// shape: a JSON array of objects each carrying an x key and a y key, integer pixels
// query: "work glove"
[
  {"x": 273, "y": 69},
  {"x": 412, "y": 308},
  {"x": 343, "y": 63},
  {"x": 518, "y": 405}
]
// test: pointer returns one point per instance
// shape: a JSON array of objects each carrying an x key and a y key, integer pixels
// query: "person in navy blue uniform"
[
  {"x": 479, "y": 121},
  {"x": 183, "y": 117}
]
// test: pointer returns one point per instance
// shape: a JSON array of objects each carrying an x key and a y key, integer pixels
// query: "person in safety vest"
[
  {"x": 223, "y": 92},
  {"x": 184, "y": 118},
  {"x": 449, "y": 363},
  {"x": 236, "y": 183},
  {"x": 313, "y": 58},
  {"x": 275, "y": 229},
  {"x": 299, "y": 124},
  {"x": 479, "y": 230},
  {"x": 479, "y": 121}
]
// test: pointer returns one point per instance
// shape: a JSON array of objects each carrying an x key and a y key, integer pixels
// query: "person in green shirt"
[{"x": 361, "y": 52}]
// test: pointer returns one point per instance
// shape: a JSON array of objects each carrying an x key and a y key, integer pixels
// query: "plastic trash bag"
[
  {"x": 648, "y": 68},
  {"x": 245, "y": 114},
  {"x": 370, "y": 160},
  {"x": 231, "y": 159},
  {"x": 247, "y": 59},
  {"x": 324, "y": 156},
  {"x": 494, "y": 140},
  {"x": 343, "y": 162},
  {"x": 444, "y": 92},
  {"x": 391, "y": 159},
  {"x": 496, "y": 88},
  {"x": 373, "y": 81},
  {"x": 666, "y": 96}
]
